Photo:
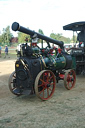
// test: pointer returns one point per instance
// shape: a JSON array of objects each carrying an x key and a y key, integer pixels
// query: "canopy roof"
[{"x": 76, "y": 26}]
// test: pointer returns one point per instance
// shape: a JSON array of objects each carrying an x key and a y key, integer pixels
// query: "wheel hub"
[
  {"x": 69, "y": 79},
  {"x": 48, "y": 85}
]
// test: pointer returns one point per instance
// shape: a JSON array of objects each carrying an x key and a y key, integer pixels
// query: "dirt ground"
[{"x": 66, "y": 109}]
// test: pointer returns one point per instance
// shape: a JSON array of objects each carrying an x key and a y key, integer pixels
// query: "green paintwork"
[
  {"x": 58, "y": 62},
  {"x": 35, "y": 50},
  {"x": 73, "y": 62}
]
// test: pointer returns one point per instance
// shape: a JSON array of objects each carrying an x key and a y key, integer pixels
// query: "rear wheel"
[
  {"x": 69, "y": 79},
  {"x": 45, "y": 83}
]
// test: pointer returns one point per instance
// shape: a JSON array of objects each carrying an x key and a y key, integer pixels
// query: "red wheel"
[
  {"x": 45, "y": 84},
  {"x": 11, "y": 84},
  {"x": 69, "y": 79}
]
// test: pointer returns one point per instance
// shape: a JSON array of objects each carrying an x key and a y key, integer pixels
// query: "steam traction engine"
[
  {"x": 37, "y": 69},
  {"x": 79, "y": 51}
]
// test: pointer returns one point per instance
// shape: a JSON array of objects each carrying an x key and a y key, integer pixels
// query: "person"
[
  {"x": 0, "y": 51},
  {"x": 6, "y": 51}
]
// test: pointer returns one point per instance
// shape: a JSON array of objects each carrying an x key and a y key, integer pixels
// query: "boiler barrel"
[{"x": 17, "y": 27}]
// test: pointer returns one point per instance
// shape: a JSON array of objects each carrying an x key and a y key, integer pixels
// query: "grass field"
[
  {"x": 12, "y": 53},
  {"x": 66, "y": 109}
]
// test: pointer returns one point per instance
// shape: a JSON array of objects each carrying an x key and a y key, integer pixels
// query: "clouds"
[{"x": 48, "y": 15}]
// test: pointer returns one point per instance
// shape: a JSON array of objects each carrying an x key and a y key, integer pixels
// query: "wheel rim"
[
  {"x": 69, "y": 79},
  {"x": 10, "y": 83},
  {"x": 45, "y": 84}
]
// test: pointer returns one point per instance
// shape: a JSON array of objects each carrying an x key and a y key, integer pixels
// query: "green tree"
[
  {"x": 22, "y": 37},
  {"x": 59, "y": 37},
  {"x": 6, "y": 35},
  {"x": 56, "y": 36},
  {"x": 74, "y": 39},
  {"x": 41, "y": 32},
  {"x": 65, "y": 39},
  {"x": 0, "y": 39}
]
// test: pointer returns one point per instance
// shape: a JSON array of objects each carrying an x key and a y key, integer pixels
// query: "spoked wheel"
[
  {"x": 69, "y": 79},
  {"x": 12, "y": 84},
  {"x": 45, "y": 83}
]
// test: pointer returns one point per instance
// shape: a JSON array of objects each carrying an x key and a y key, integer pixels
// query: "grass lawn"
[{"x": 11, "y": 55}]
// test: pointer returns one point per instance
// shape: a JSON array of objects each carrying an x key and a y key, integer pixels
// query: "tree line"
[{"x": 6, "y": 36}]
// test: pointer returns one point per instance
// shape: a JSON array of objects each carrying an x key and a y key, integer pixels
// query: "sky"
[{"x": 48, "y": 15}]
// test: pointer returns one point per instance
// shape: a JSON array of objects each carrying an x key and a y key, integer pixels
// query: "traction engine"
[{"x": 38, "y": 69}]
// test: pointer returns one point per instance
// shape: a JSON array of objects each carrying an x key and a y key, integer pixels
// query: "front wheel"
[
  {"x": 45, "y": 83},
  {"x": 12, "y": 84}
]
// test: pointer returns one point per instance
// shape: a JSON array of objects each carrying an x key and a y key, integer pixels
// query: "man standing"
[{"x": 6, "y": 51}]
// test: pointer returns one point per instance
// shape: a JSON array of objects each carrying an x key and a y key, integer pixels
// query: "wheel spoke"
[
  {"x": 47, "y": 77},
  {"x": 41, "y": 90},
  {"x": 40, "y": 85},
  {"x": 42, "y": 81},
  {"x": 50, "y": 77},
  {"x": 68, "y": 83},
  {"x": 14, "y": 76},
  {"x": 13, "y": 88},
  {"x": 47, "y": 92},
  {"x": 50, "y": 89},
  {"x": 43, "y": 77},
  {"x": 51, "y": 83}
]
